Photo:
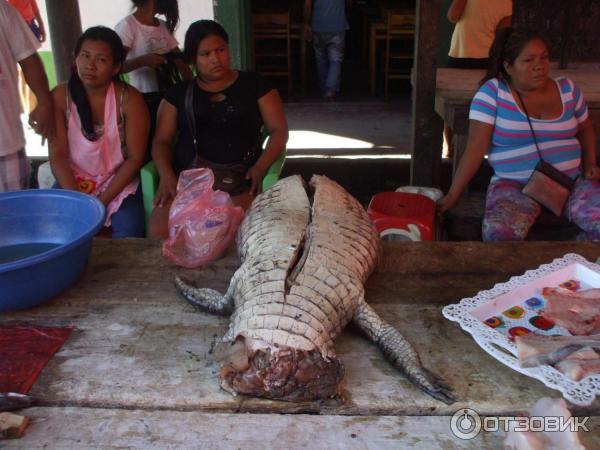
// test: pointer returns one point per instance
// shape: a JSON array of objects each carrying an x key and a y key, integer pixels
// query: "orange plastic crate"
[{"x": 403, "y": 216}]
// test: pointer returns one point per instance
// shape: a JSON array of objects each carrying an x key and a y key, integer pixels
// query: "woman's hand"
[
  {"x": 256, "y": 173},
  {"x": 154, "y": 60},
  {"x": 447, "y": 202},
  {"x": 167, "y": 189},
  {"x": 592, "y": 173},
  {"x": 42, "y": 119}
]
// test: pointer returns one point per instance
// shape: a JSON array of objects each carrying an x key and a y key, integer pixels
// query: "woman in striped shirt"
[{"x": 519, "y": 73}]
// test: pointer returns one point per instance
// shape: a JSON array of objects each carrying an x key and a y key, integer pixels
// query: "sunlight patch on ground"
[
  {"x": 322, "y": 156},
  {"x": 313, "y": 139}
]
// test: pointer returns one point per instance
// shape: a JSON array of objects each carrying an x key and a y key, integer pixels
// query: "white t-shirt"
[
  {"x": 474, "y": 32},
  {"x": 17, "y": 42},
  {"x": 143, "y": 39}
]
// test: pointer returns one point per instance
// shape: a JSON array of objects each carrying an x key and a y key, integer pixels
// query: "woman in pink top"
[{"x": 102, "y": 128}]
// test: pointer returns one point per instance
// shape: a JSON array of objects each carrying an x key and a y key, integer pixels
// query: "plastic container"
[
  {"x": 45, "y": 243},
  {"x": 403, "y": 216}
]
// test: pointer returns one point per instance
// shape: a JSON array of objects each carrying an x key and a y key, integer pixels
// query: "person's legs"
[
  {"x": 128, "y": 221},
  {"x": 583, "y": 207},
  {"x": 335, "y": 54},
  {"x": 14, "y": 171},
  {"x": 509, "y": 214},
  {"x": 320, "y": 47}
]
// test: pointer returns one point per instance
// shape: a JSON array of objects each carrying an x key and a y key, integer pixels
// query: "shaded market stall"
[{"x": 569, "y": 27}]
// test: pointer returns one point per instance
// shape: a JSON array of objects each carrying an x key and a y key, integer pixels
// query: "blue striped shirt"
[{"x": 513, "y": 154}]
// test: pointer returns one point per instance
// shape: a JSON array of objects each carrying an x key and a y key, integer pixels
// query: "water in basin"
[{"x": 11, "y": 253}]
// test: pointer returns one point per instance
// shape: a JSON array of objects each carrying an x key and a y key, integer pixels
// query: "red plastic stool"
[{"x": 403, "y": 216}]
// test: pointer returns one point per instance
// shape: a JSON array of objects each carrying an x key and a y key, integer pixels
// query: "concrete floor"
[
  {"x": 363, "y": 145},
  {"x": 375, "y": 128}
]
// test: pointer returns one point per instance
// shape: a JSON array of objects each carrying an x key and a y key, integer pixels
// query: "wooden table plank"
[
  {"x": 138, "y": 370},
  {"x": 137, "y": 345},
  {"x": 116, "y": 428},
  {"x": 109, "y": 428},
  {"x": 461, "y": 84}
]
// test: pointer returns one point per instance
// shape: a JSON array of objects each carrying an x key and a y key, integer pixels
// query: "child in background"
[{"x": 150, "y": 46}]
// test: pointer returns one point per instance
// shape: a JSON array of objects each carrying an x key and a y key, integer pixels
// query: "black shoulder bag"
[
  {"x": 547, "y": 185},
  {"x": 230, "y": 178}
]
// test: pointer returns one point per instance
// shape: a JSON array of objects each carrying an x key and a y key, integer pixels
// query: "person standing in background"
[
  {"x": 477, "y": 22},
  {"x": 19, "y": 45},
  {"x": 31, "y": 14},
  {"x": 325, "y": 24}
]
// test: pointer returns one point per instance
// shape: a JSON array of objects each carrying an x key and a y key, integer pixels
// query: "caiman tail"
[{"x": 400, "y": 353}]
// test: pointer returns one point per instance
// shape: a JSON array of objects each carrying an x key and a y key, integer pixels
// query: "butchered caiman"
[{"x": 300, "y": 282}]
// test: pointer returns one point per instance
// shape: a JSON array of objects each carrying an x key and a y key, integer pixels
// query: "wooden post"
[
  {"x": 64, "y": 23},
  {"x": 427, "y": 125},
  {"x": 234, "y": 15},
  {"x": 567, "y": 33}
]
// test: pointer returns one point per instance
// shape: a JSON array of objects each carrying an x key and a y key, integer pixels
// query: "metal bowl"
[{"x": 45, "y": 242}]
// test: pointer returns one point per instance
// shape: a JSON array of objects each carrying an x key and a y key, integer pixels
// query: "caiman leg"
[
  {"x": 400, "y": 352},
  {"x": 208, "y": 300}
]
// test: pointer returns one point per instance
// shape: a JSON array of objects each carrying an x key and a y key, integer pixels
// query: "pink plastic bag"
[{"x": 202, "y": 222}]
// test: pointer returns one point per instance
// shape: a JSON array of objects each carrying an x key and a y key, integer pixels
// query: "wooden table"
[
  {"x": 455, "y": 89},
  {"x": 138, "y": 371}
]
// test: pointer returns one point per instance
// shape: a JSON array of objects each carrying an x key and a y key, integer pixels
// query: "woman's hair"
[
  {"x": 198, "y": 31},
  {"x": 170, "y": 9},
  {"x": 75, "y": 86},
  {"x": 507, "y": 46}
]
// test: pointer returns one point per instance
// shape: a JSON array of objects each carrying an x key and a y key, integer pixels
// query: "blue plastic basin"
[{"x": 45, "y": 242}]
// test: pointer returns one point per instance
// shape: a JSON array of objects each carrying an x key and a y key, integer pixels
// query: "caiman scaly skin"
[{"x": 300, "y": 283}]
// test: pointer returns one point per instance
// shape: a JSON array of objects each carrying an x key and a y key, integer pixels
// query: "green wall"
[
  {"x": 48, "y": 62},
  {"x": 234, "y": 15}
]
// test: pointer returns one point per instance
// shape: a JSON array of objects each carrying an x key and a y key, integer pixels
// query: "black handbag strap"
[
  {"x": 537, "y": 147},
  {"x": 556, "y": 174},
  {"x": 188, "y": 105}
]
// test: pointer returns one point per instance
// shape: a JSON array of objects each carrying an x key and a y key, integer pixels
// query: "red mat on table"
[{"x": 24, "y": 351}]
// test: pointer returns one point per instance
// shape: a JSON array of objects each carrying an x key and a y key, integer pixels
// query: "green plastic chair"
[{"x": 149, "y": 179}]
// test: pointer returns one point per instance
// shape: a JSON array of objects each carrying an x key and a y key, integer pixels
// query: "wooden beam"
[
  {"x": 427, "y": 125},
  {"x": 64, "y": 23}
]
